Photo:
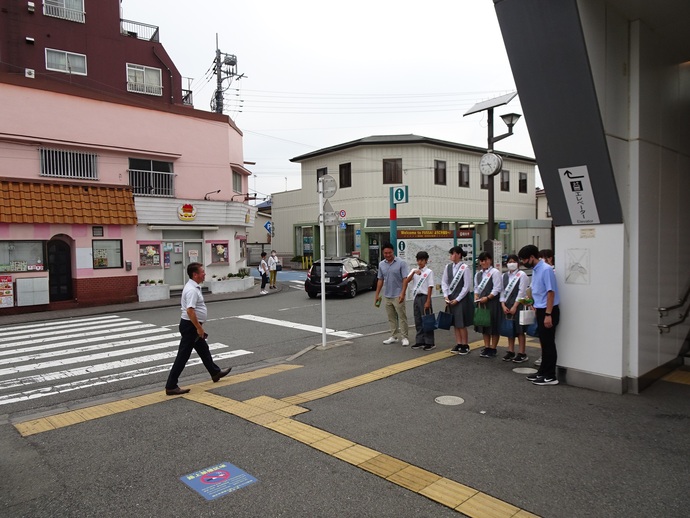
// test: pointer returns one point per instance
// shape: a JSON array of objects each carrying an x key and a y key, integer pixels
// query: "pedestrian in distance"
[
  {"x": 515, "y": 284},
  {"x": 263, "y": 270},
  {"x": 392, "y": 273},
  {"x": 273, "y": 270},
  {"x": 546, "y": 301},
  {"x": 422, "y": 281},
  {"x": 487, "y": 290},
  {"x": 194, "y": 314},
  {"x": 456, "y": 285}
]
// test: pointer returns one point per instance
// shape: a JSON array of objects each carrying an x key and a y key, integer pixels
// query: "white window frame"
[
  {"x": 237, "y": 182},
  {"x": 67, "y": 69},
  {"x": 72, "y": 10},
  {"x": 142, "y": 87}
]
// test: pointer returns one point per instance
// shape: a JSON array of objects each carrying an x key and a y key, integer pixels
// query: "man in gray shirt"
[
  {"x": 194, "y": 314},
  {"x": 392, "y": 273}
]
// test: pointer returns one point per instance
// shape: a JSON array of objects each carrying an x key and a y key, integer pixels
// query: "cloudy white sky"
[{"x": 320, "y": 73}]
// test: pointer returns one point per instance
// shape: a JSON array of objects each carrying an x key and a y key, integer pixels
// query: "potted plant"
[
  {"x": 231, "y": 283},
  {"x": 151, "y": 289}
]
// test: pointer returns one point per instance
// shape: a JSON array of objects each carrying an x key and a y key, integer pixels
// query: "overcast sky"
[{"x": 322, "y": 73}]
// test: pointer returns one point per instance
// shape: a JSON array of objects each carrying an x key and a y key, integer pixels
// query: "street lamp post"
[
  {"x": 509, "y": 119},
  {"x": 491, "y": 164}
]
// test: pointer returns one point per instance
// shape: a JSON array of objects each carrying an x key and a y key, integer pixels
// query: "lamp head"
[{"x": 510, "y": 119}]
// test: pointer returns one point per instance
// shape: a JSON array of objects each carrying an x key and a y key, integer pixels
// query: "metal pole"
[
  {"x": 490, "y": 148},
  {"x": 393, "y": 222},
  {"x": 322, "y": 248}
]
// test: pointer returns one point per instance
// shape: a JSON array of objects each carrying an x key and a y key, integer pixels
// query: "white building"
[{"x": 446, "y": 192}]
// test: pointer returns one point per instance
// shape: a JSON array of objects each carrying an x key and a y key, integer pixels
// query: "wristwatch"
[{"x": 547, "y": 314}]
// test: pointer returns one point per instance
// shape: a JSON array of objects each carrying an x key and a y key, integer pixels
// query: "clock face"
[{"x": 490, "y": 164}]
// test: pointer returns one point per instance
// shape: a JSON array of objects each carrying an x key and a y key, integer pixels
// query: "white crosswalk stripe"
[{"x": 39, "y": 360}]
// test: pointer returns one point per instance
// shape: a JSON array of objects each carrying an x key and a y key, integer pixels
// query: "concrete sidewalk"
[{"x": 355, "y": 430}]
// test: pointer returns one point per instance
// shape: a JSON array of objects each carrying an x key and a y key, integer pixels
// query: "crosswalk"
[{"x": 44, "y": 359}]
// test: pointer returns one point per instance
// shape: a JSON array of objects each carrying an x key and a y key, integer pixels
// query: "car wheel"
[
  {"x": 352, "y": 290},
  {"x": 312, "y": 295}
]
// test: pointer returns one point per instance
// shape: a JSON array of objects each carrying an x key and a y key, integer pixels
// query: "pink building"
[{"x": 108, "y": 176}]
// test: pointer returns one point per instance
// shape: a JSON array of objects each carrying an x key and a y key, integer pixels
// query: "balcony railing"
[
  {"x": 143, "y": 88},
  {"x": 151, "y": 183},
  {"x": 57, "y": 11},
  {"x": 141, "y": 31}
]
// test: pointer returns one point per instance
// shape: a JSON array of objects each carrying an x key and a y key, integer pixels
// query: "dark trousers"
[
  {"x": 264, "y": 280},
  {"x": 190, "y": 341},
  {"x": 426, "y": 338},
  {"x": 547, "y": 339}
]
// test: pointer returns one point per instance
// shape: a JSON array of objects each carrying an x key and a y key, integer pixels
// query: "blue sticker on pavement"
[{"x": 219, "y": 480}]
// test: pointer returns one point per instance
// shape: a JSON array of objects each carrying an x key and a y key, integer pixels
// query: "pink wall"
[{"x": 200, "y": 148}]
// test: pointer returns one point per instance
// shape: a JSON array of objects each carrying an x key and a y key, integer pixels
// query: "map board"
[{"x": 436, "y": 243}]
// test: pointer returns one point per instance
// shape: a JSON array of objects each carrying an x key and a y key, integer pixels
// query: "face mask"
[{"x": 512, "y": 266}]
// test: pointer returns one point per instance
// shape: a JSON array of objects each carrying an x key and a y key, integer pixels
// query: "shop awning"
[{"x": 54, "y": 202}]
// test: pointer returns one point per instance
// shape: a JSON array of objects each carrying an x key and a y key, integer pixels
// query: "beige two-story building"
[{"x": 445, "y": 191}]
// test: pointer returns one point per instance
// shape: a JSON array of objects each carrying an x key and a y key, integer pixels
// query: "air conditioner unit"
[
  {"x": 30, "y": 73},
  {"x": 31, "y": 6}
]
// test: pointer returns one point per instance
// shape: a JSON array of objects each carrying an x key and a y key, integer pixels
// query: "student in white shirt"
[
  {"x": 488, "y": 286},
  {"x": 456, "y": 285},
  {"x": 422, "y": 282},
  {"x": 515, "y": 285}
]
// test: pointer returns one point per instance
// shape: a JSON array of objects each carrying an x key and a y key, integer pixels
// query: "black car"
[{"x": 344, "y": 276}]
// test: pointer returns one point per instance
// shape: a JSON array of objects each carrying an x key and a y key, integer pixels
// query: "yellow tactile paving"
[
  {"x": 119, "y": 406},
  {"x": 265, "y": 419},
  {"x": 414, "y": 478},
  {"x": 33, "y": 426},
  {"x": 383, "y": 465},
  {"x": 66, "y": 419},
  {"x": 525, "y": 514},
  {"x": 448, "y": 492},
  {"x": 93, "y": 412},
  {"x": 291, "y": 410},
  {"x": 332, "y": 444},
  {"x": 356, "y": 454},
  {"x": 268, "y": 403},
  {"x": 482, "y": 505},
  {"x": 678, "y": 376},
  {"x": 149, "y": 399}
]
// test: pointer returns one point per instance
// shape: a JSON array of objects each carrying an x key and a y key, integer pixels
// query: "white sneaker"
[
  {"x": 537, "y": 362},
  {"x": 391, "y": 340},
  {"x": 405, "y": 342},
  {"x": 264, "y": 292}
]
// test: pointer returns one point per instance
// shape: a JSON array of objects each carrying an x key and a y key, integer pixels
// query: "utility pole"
[{"x": 225, "y": 68}]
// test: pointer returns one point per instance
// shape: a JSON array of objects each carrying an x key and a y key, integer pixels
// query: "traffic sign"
[
  {"x": 343, "y": 213},
  {"x": 329, "y": 186},
  {"x": 268, "y": 226},
  {"x": 400, "y": 194}
]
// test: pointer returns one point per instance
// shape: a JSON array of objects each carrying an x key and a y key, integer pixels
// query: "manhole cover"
[
  {"x": 524, "y": 370},
  {"x": 449, "y": 400}
]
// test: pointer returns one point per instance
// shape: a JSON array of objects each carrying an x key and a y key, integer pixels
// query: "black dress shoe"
[
  {"x": 221, "y": 374},
  {"x": 176, "y": 391}
]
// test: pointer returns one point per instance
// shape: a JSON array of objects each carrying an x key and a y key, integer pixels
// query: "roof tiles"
[{"x": 42, "y": 202}]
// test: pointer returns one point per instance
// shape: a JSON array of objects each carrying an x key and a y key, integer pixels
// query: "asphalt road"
[{"x": 515, "y": 449}]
